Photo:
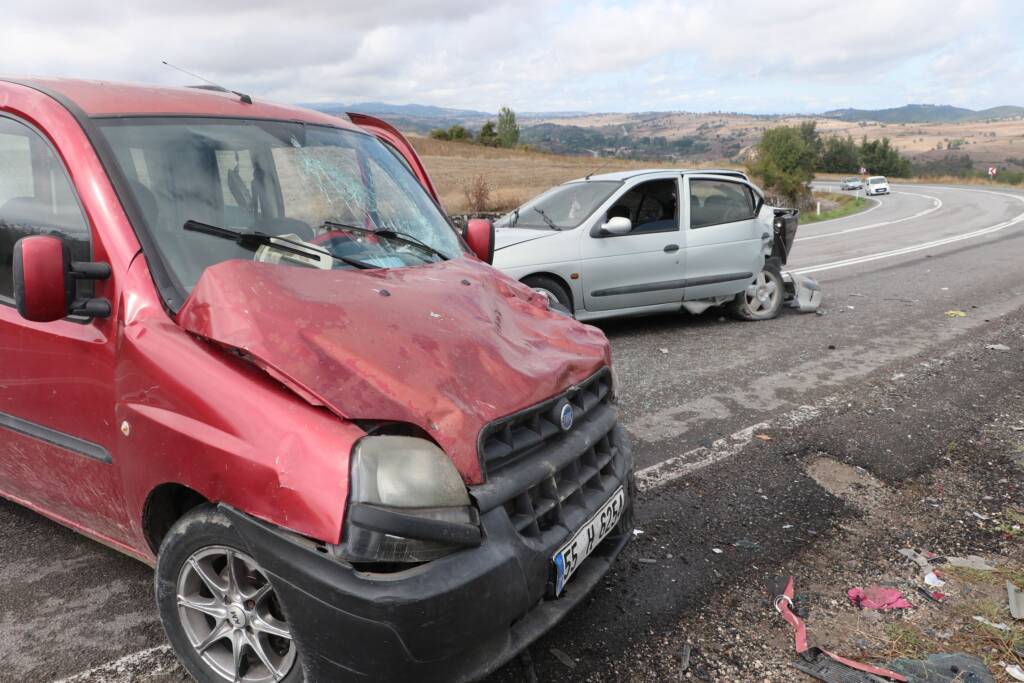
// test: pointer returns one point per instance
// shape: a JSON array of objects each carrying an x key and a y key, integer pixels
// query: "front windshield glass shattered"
[
  {"x": 341, "y": 195},
  {"x": 560, "y": 208}
]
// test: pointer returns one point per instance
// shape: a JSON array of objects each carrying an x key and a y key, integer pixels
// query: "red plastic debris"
[{"x": 878, "y": 597}]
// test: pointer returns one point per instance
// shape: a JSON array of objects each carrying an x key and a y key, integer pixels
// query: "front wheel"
[
  {"x": 559, "y": 296},
  {"x": 218, "y": 607},
  {"x": 762, "y": 299}
]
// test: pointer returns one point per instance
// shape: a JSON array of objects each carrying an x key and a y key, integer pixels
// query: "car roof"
[
  {"x": 110, "y": 99},
  {"x": 620, "y": 176}
]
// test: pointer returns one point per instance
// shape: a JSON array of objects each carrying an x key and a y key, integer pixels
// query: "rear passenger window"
[
  {"x": 36, "y": 198},
  {"x": 713, "y": 202}
]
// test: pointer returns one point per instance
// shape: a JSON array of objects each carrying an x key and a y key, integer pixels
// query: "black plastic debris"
[
  {"x": 944, "y": 668},
  {"x": 831, "y": 671}
]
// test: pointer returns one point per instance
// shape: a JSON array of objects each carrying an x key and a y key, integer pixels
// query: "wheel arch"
[
  {"x": 557, "y": 278},
  {"x": 165, "y": 505}
]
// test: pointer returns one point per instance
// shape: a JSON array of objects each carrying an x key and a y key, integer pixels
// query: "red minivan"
[{"x": 243, "y": 343}]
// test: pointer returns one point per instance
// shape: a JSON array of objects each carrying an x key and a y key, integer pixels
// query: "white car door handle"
[{"x": 671, "y": 247}]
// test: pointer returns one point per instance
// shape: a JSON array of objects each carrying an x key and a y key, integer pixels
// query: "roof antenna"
[
  {"x": 599, "y": 168},
  {"x": 219, "y": 88}
]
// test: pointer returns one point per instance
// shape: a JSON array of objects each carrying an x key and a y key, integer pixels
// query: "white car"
[
  {"x": 624, "y": 244},
  {"x": 877, "y": 184},
  {"x": 852, "y": 183}
]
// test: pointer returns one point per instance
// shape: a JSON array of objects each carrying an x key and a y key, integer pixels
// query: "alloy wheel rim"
[
  {"x": 232, "y": 617},
  {"x": 761, "y": 295}
]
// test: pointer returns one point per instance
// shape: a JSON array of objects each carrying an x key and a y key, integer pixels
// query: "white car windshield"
[
  {"x": 560, "y": 208},
  {"x": 877, "y": 181}
]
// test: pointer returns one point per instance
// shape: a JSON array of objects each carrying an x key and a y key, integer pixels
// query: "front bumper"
[{"x": 454, "y": 619}]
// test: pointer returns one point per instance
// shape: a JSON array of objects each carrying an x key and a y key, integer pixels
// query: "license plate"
[{"x": 571, "y": 555}]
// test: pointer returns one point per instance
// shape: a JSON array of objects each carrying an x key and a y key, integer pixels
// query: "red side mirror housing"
[
  {"x": 480, "y": 238},
  {"x": 43, "y": 286}
]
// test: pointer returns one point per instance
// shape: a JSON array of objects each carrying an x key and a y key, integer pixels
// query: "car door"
[
  {"x": 56, "y": 379},
  {"x": 725, "y": 240},
  {"x": 641, "y": 268}
]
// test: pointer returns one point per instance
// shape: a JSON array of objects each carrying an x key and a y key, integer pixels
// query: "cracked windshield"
[{"x": 319, "y": 197}]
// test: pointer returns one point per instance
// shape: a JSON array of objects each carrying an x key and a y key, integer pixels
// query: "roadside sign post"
[{"x": 992, "y": 172}]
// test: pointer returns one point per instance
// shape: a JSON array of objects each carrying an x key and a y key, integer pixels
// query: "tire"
[
  {"x": 554, "y": 289},
  {"x": 216, "y": 620},
  {"x": 762, "y": 299}
]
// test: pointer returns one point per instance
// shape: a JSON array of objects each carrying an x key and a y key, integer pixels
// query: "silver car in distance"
[{"x": 624, "y": 244}]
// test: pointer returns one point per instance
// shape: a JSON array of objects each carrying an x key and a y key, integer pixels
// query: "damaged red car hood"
[{"x": 448, "y": 347}]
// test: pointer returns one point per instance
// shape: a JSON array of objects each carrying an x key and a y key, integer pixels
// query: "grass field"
[
  {"x": 512, "y": 175},
  {"x": 844, "y": 205}
]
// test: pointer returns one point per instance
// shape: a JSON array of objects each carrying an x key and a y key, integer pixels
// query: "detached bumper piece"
[
  {"x": 462, "y": 616},
  {"x": 802, "y": 292}
]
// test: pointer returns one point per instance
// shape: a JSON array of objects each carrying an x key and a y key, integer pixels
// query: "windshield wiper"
[
  {"x": 255, "y": 240},
  {"x": 387, "y": 232},
  {"x": 551, "y": 223}
]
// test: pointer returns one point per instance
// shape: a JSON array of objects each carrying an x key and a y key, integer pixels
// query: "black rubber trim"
[
  {"x": 409, "y": 525},
  {"x": 59, "y": 439},
  {"x": 671, "y": 284}
]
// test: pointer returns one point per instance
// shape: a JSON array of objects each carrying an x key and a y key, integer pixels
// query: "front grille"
[
  {"x": 550, "y": 480},
  {"x": 510, "y": 439}
]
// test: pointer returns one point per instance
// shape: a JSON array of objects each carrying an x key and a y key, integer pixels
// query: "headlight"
[{"x": 407, "y": 503}]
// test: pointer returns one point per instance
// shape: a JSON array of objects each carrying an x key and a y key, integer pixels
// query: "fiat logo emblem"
[{"x": 566, "y": 417}]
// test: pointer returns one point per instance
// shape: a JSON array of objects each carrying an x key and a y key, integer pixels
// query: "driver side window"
[
  {"x": 651, "y": 207},
  {"x": 36, "y": 198}
]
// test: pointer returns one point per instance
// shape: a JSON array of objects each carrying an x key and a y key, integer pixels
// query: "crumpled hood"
[
  {"x": 448, "y": 347},
  {"x": 506, "y": 237}
]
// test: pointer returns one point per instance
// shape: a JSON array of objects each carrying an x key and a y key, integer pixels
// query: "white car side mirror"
[{"x": 620, "y": 225}]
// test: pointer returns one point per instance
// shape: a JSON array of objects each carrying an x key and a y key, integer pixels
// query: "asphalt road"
[{"x": 692, "y": 388}]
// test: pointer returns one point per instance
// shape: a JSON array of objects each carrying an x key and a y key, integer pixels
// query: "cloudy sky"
[{"x": 762, "y": 56}]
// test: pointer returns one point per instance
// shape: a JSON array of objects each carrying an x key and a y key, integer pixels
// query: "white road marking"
[
  {"x": 922, "y": 246},
  {"x": 682, "y": 465},
  {"x": 124, "y": 669},
  {"x": 936, "y": 205}
]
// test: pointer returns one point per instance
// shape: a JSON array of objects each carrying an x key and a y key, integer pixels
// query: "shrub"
[{"x": 478, "y": 194}]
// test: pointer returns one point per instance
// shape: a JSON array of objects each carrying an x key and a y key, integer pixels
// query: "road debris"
[
  {"x": 684, "y": 658},
  {"x": 933, "y": 596},
  {"x": 997, "y": 347},
  {"x": 663, "y": 350},
  {"x": 762, "y": 437},
  {"x": 923, "y": 558},
  {"x": 999, "y": 627},
  {"x": 1015, "y": 672},
  {"x": 944, "y": 668},
  {"x": 747, "y": 545},
  {"x": 716, "y": 551},
  {"x": 1016, "y": 598},
  {"x": 563, "y": 657},
  {"x": 637, "y": 533},
  {"x": 878, "y": 597},
  {"x": 955, "y": 314},
  {"x": 817, "y": 662},
  {"x": 933, "y": 579},
  {"x": 647, "y": 560},
  {"x": 971, "y": 562}
]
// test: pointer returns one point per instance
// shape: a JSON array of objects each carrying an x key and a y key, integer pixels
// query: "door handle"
[
  {"x": 765, "y": 235},
  {"x": 669, "y": 248}
]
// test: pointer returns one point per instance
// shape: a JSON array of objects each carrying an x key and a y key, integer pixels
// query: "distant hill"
[{"x": 924, "y": 113}]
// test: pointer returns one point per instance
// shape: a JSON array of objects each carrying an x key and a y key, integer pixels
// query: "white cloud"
[{"x": 595, "y": 54}]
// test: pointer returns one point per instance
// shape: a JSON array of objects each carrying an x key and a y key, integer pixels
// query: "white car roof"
[
  {"x": 877, "y": 177},
  {"x": 621, "y": 176}
]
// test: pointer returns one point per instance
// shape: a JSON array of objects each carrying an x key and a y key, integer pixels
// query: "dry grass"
[{"x": 513, "y": 175}]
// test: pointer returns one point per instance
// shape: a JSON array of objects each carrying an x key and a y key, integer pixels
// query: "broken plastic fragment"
[
  {"x": 932, "y": 579},
  {"x": 878, "y": 597},
  {"x": 1015, "y": 672},
  {"x": 1016, "y": 597},
  {"x": 997, "y": 347},
  {"x": 955, "y": 314},
  {"x": 563, "y": 657},
  {"x": 999, "y": 627},
  {"x": 716, "y": 551},
  {"x": 971, "y": 562}
]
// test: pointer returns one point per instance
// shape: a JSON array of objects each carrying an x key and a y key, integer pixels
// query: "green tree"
[
  {"x": 839, "y": 155},
  {"x": 879, "y": 157},
  {"x": 809, "y": 134},
  {"x": 488, "y": 135},
  {"x": 785, "y": 160},
  {"x": 440, "y": 134},
  {"x": 508, "y": 129},
  {"x": 458, "y": 132}
]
